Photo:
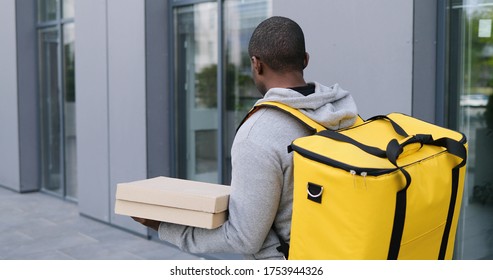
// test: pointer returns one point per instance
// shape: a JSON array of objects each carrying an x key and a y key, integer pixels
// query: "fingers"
[
  {"x": 148, "y": 223},
  {"x": 139, "y": 220}
]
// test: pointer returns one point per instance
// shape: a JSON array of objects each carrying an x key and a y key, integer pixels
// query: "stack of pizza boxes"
[{"x": 173, "y": 200}]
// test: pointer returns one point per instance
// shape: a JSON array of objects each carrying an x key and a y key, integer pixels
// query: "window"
[
  {"x": 240, "y": 93},
  {"x": 195, "y": 67},
  {"x": 212, "y": 84},
  {"x": 56, "y": 54},
  {"x": 470, "y": 110}
]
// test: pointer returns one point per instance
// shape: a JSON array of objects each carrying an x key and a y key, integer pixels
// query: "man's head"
[{"x": 279, "y": 43}]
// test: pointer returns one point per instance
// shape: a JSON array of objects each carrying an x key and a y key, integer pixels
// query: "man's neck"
[{"x": 285, "y": 80}]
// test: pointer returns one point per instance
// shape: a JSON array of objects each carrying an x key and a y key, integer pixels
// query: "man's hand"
[{"x": 148, "y": 223}]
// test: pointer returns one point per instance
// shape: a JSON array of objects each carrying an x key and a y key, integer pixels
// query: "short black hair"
[{"x": 280, "y": 43}]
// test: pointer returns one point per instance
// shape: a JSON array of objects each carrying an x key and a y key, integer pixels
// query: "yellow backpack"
[{"x": 386, "y": 188}]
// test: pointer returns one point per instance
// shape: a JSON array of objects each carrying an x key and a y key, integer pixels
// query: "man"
[{"x": 262, "y": 174}]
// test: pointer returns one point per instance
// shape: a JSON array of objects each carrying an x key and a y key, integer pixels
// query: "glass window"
[
  {"x": 197, "y": 54},
  {"x": 51, "y": 141},
  {"x": 196, "y": 48},
  {"x": 57, "y": 97},
  {"x": 69, "y": 110},
  {"x": 240, "y": 19},
  {"x": 68, "y": 9},
  {"x": 205, "y": 151},
  {"x": 471, "y": 111},
  {"x": 69, "y": 61},
  {"x": 47, "y": 10}
]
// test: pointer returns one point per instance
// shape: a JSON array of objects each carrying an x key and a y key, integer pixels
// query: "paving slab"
[{"x": 39, "y": 226}]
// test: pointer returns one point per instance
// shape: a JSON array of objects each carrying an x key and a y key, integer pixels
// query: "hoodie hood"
[{"x": 332, "y": 107}]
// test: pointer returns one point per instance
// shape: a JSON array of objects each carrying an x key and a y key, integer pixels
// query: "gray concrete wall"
[
  {"x": 425, "y": 63},
  {"x": 111, "y": 123},
  {"x": 159, "y": 162},
  {"x": 127, "y": 96},
  {"x": 365, "y": 46},
  {"x": 28, "y": 96},
  {"x": 9, "y": 129},
  {"x": 92, "y": 109}
]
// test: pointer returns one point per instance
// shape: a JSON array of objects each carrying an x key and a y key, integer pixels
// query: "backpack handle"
[
  {"x": 397, "y": 128},
  {"x": 454, "y": 147},
  {"x": 369, "y": 149}
]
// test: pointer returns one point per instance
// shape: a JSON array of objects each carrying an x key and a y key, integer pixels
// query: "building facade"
[{"x": 94, "y": 93}]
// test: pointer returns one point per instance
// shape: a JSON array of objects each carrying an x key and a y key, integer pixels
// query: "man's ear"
[
  {"x": 305, "y": 61},
  {"x": 257, "y": 65}
]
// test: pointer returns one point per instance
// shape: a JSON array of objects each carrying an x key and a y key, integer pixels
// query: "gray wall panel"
[
  {"x": 365, "y": 46},
  {"x": 424, "y": 59},
  {"x": 157, "y": 84},
  {"x": 127, "y": 98},
  {"x": 27, "y": 87},
  {"x": 92, "y": 109},
  {"x": 9, "y": 130},
  {"x": 111, "y": 122}
]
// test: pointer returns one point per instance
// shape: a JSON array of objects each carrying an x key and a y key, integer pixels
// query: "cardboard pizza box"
[{"x": 174, "y": 200}]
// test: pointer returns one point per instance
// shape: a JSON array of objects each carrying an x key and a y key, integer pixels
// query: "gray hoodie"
[{"x": 262, "y": 176}]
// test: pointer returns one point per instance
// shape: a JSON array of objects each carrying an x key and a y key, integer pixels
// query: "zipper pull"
[
  {"x": 364, "y": 178},
  {"x": 352, "y": 172}
]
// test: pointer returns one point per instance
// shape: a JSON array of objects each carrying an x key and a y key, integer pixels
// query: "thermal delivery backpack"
[{"x": 389, "y": 187}]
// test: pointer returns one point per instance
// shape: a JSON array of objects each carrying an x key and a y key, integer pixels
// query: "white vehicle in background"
[{"x": 474, "y": 100}]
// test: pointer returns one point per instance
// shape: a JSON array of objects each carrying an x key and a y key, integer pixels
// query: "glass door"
[
  {"x": 240, "y": 18},
  {"x": 196, "y": 58},
  {"x": 51, "y": 130},
  {"x": 56, "y": 37},
  {"x": 69, "y": 110},
  {"x": 212, "y": 84},
  {"x": 470, "y": 99}
]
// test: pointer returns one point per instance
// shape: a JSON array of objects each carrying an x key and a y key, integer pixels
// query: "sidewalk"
[{"x": 36, "y": 226}]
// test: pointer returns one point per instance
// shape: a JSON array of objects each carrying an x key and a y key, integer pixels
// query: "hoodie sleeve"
[{"x": 256, "y": 191}]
